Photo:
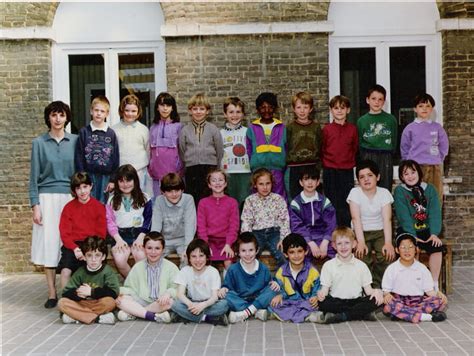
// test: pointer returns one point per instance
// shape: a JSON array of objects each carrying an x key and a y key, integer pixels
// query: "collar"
[
  {"x": 257, "y": 265},
  {"x": 340, "y": 262},
  {"x": 170, "y": 204},
  {"x": 126, "y": 124},
  {"x": 306, "y": 199},
  {"x": 420, "y": 121},
  {"x": 401, "y": 267},
  {"x": 227, "y": 128},
  {"x": 102, "y": 266},
  {"x": 423, "y": 185},
  {"x": 195, "y": 124},
  {"x": 275, "y": 121},
  {"x": 48, "y": 137},
  {"x": 95, "y": 128},
  {"x": 286, "y": 269},
  {"x": 157, "y": 265}
]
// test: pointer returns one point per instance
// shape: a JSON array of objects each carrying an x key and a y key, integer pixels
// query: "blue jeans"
[
  {"x": 218, "y": 308},
  {"x": 99, "y": 183},
  {"x": 268, "y": 239},
  {"x": 259, "y": 301}
]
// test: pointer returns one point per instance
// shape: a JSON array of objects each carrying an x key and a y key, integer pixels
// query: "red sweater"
[
  {"x": 79, "y": 221},
  {"x": 340, "y": 145}
]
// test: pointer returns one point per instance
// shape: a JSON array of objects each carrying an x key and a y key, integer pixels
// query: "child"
[
  {"x": 346, "y": 292},
  {"x": 299, "y": 283},
  {"x": 408, "y": 287},
  {"x": 174, "y": 215},
  {"x": 266, "y": 215},
  {"x": 426, "y": 142},
  {"x": 128, "y": 212},
  {"x": 313, "y": 216},
  {"x": 218, "y": 219},
  {"x": 371, "y": 213},
  {"x": 236, "y": 160},
  {"x": 247, "y": 284},
  {"x": 419, "y": 213},
  {"x": 90, "y": 294},
  {"x": 149, "y": 289},
  {"x": 164, "y": 133},
  {"x": 52, "y": 165},
  {"x": 132, "y": 137},
  {"x": 200, "y": 146},
  {"x": 338, "y": 153},
  {"x": 266, "y": 141},
  {"x": 97, "y": 150},
  {"x": 378, "y": 135},
  {"x": 198, "y": 285},
  {"x": 82, "y": 217},
  {"x": 304, "y": 141}
]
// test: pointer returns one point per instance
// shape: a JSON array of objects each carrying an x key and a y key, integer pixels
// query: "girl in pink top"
[
  {"x": 218, "y": 219},
  {"x": 164, "y": 133}
]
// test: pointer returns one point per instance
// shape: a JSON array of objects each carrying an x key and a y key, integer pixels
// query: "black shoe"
[
  {"x": 51, "y": 303},
  {"x": 217, "y": 320},
  {"x": 176, "y": 318},
  {"x": 331, "y": 318},
  {"x": 438, "y": 316},
  {"x": 370, "y": 317},
  {"x": 394, "y": 318}
]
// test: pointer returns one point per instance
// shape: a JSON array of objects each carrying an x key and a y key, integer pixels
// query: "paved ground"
[{"x": 29, "y": 329}]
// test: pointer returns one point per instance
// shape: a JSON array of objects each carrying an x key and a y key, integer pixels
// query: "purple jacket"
[{"x": 313, "y": 218}]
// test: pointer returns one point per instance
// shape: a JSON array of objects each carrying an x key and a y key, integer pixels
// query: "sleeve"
[
  {"x": 181, "y": 277},
  {"x": 387, "y": 279},
  {"x": 318, "y": 139},
  {"x": 353, "y": 196},
  {"x": 267, "y": 277},
  {"x": 202, "y": 220},
  {"x": 247, "y": 216},
  {"x": 147, "y": 214},
  {"x": 387, "y": 197},
  {"x": 326, "y": 276},
  {"x": 356, "y": 141},
  {"x": 316, "y": 284},
  {"x": 283, "y": 218},
  {"x": 443, "y": 143},
  {"x": 215, "y": 278},
  {"x": 34, "y": 173},
  {"x": 189, "y": 221},
  {"x": 279, "y": 279},
  {"x": 66, "y": 227},
  {"x": 427, "y": 279},
  {"x": 365, "y": 275},
  {"x": 111, "y": 287},
  {"x": 131, "y": 285},
  {"x": 79, "y": 157},
  {"x": 146, "y": 140},
  {"x": 329, "y": 218},
  {"x": 297, "y": 224},
  {"x": 171, "y": 285},
  {"x": 70, "y": 290},
  {"x": 402, "y": 210},
  {"x": 248, "y": 141},
  {"x": 116, "y": 153},
  {"x": 182, "y": 144},
  {"x": 405, "y": 142},
  {"x": 157, "y": 216},
  {"x": 101, "y": 224},
  {"x": 234, "y": 222},
  {"x": 434, "y": 210},
  {"x": 289, "y": 129},
  {"x": 394, "y": 133},
  {"x": 229, "y": 279},
  {"x": 219, "y": 146},
  {"x": 112, "y": 227}
]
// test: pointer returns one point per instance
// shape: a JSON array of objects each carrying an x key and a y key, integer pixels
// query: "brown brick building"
[{"x": 72, "y": 51}]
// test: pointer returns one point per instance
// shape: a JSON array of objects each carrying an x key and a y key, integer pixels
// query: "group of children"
[{"x": 272, "y": 175}]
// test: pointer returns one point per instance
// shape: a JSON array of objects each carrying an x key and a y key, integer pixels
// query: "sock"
[
  {"x": 251, "y": 309},
  {"x": 204, "y": 318},
  {"x": 425, "y": 317},
  {"x": 150, "y": 316}
]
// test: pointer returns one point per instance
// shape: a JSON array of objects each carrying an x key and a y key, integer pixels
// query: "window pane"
[
  {"x": 137, "y": 76},
  {"x": 357, "y": 73},
  {"x": 407, "y": 79},
  {"x": 86, "y": 81}
]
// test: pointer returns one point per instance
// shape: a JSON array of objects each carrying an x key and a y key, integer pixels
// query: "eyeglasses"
[{"x": 406, "y": 248}]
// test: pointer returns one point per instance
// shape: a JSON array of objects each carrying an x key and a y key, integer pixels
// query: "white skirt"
[{"x": 46, "y": 242}]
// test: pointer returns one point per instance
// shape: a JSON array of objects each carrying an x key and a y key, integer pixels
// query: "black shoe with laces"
[
  {"x": 438, "y": 316},
  {"x": 217, "y": 320}
]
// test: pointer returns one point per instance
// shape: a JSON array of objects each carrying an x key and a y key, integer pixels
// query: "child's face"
[
  {"x": 130, "y": 113},
  {"x": 344, "y": 246},
  {"x": 165, "y": 111},
  {"x": 266, "y": 111},
  {"x": 367, "y": 179},
  {"x": 309, "y": 185},
  {"x": 57, "y": 120},
  {"x": 247, "y": 252},
  {"x": 302, "y": 111},
  {"x": 94, "y": 259},
  {"x": 407, "y": 251},
  {"x": 423, "y": 110},
  {"x": 197, "y": 260},
  {"x": 410, "y": 176},
  {"x": 99, "y": 113},
  {"x": 339, "y": 113},
  {"x": 375, "y": 101},
  {"x": 217, "y": 183},
  {"x": 83, "y": 193},
  {"x": 233, "y": 114},
  {"x": 126, "y": 186},
  {"x": 153, "y": 251},
  {"x": 198, "y": 113},
  {"x": 296, "y": 256},
  {"x": 173, "y": 196},
  {"x": 264, "y": 185}
]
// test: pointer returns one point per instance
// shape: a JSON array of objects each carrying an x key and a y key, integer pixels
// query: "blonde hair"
[
  {"x": 260, "y": 172},
  {"x": 101, "y": 99},
  {"x": 304, "y": 97},
  {"x": 342, "y": 231},
  {"x": 199, "y": 99},
  {"x": 130, "y": 99}
]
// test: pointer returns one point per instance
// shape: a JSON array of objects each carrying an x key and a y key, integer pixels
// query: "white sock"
[
  {"x": 252, "y": 309},
  {"x": 425, "y": 317},
  {"x": 436, "y": 286}
]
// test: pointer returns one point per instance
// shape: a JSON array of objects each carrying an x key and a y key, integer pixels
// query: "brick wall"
[{"x": 14, "y": 14}]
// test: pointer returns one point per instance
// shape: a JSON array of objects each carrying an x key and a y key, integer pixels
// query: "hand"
[
  {"x": 78, "y": 254},
  {"x": 323, "y": 249},
  {"x": 138, "y": 243},
  {"x": 387, "y": 298},
  {"x": 118, "y": 300},
  {"x": 37, "y": 218},
  {"x": 435, "y": 241},
  {"x": 110, "y": 187},
  {"x": 221, "y": 293},
  {"x": 321, "y": 295},
  {"x": 120, "y": 244},
  {"x": 184, "y": 257},
  {"x": 443, "y": 297},
  {"x": 165, "y": 299},
  {"x": 313, "y": 301},
  {"x": 361, "y": 250},
  {"x": 197, "y": 308},
  {"x": 280, "y": 245},
  {"x": 276, "y": 301},
  {"x": 274, "y": 286},
  {"x": 227, "y": 251},
  {"x": 314, "y": 249},
  {"x": 84, "y": 291},
  {"x": 388, "y": 251},
  {"x": 377, "y": 294}
]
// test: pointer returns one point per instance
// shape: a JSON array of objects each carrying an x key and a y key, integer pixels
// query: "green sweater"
[
  {"x": 104, "y": 283},
  {"x": 136, "y": 283},
  {"x": 378, "y": 131},
  {"x": 304, "y": 142}
]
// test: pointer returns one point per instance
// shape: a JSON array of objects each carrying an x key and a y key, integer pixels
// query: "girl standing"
[
  {"x": 52, "y": 165},
  {"x": 129, "y": 213},
  {"x": 164, "y": 134}
]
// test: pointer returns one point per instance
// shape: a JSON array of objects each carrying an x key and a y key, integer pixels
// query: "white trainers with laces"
[
  {"x": 163, "y": 317},
  {"x": 68, "y": 320},
  {"x": 316, "y": 317},
  {"x": 236, "y": 317},
  {"x": 123, "y": 316},
  {"x": 261, "y": 314},
  {"x": 107, "y": 318}
]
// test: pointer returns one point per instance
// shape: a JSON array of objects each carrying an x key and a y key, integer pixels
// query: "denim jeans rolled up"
[{"x": 218, "y": 308}]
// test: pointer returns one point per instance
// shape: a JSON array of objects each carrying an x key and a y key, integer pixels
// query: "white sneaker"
[
  {"x": 236, "y": 317},
  {"x": 163, "y": 317},
  {"x": 107, "y": 318},
  {"x": 316, "y": 317},
  {"x": 68, "y": 320},
  {"x": 123, "y": 316},
  {"x": 261, "y": 314}
]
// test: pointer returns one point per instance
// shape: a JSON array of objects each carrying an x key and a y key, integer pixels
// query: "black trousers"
[
  {"x": 195, "y": 180},
  {"x": 355, "y": 309},
  {"x": 337, "y": 184}
]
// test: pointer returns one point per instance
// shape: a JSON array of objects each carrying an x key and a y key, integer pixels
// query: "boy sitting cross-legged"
[
  {"x": 90, "y": 294},
  {"x": 299, "y": 283},
  {"x": 344, "y": 281},
  {"x": 247, "y": 286}
]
